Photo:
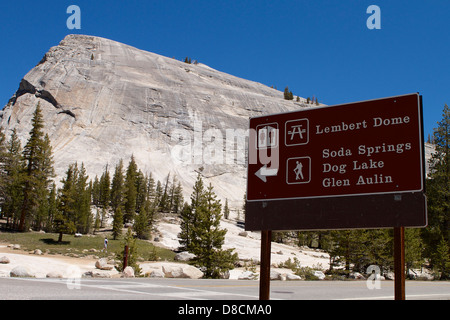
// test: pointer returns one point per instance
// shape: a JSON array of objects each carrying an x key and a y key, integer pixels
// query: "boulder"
[
  {"x": 37, "y": 252},
  {"x": 128, "y": 272},
  {"x": 4, "y": 260},
  {"x": 102, "y": 264},
  {"x": 275, "y": 275},
  {"x": 356, "y": 276},
  {"x": 319, "y": 274},
  {"x": 248, "y": 275},
  {"x": 155, "y": 274},
  {"x": 21, "y": 272},
  {"x": 184, "y": 256},
  {"x": 97, "y": 274},
  {"x": 192, "y": 272},
  {"x": 292, "y": 277},
  {"x": 185, "y": 271},
  {"x": 172, "y": 272}
]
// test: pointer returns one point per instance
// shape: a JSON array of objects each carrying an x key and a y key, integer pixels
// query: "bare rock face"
[{"x": 103, "y": 101}]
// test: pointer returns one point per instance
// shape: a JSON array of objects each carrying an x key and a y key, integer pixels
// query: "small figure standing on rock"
[{"x": 105, "y": 245}]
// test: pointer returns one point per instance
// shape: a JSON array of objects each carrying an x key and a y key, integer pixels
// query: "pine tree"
[
  {"x": 244, "y": 205},
  {"x": 84, "y": 217},
  {"x": 158, "y": 197},
  {"x": 143, "y": 221},
  {"x": 208, "y": 238},
  {"x": 130, "y": 242},
  {"x": 96, "y": 192},
  {"x": 3, "y": 154},
  {"x": 38, "y": 169},
  {"x": 413, "y": 248},
  {"x": 165, "y": 198},
  {"x": 141, "y": 190},
  {"x": 52, "y": 207},
  {"x": 186, "y": 234},
  {"x": 226, "y": 210},
  {"x": 117, "y": 223},
  {"x": 118, "y": 187},
  {"x": 105, "y": 189},
  {"x": 288, "y": 95},
  {"x": 177, "y": 202},
  {"x": 189, "y": 214},
  {"x": 438, "y": 190},
  {"x": 348, "y": 249},
  {"x": 65, "y": 219},
  {"x": 130, "y": 190},
  {"x": 13, "y": 180},
  {"x": 442, "y": 259}
]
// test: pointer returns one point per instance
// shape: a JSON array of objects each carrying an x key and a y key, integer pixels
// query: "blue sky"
[{"x": 321, "y": 48}]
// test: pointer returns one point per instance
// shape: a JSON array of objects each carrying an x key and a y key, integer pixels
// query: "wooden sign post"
[
  {"x": 264, "y": 276},
  {"x": 399, "y": 263}
]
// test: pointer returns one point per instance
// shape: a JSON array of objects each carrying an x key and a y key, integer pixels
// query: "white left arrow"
[{"x": 263, "y": 172}]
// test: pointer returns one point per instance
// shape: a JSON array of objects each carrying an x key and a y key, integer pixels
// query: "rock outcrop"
[{"x": 103, "y": 100}]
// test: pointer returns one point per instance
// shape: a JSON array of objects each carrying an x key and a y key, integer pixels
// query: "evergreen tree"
[
  {"x": 165, "y": 198},
  {"x": 288, "y": 95},
  {"x": 348, "y": 249},
  {"x": 438, "y": 190},
  {"x": 142, "y": 222},
  {"x": 118, "y": 187},
  {"x": 442, "y": 259},
  {"x": 105, "y": 189},
  {"x": 189, "y": 215},
  {"x": 130, "y": 190},
  {"x": 142, "y": 192},
  {"x": 38, "y": 169},
  {"x": 226, "y": 210},
  {"x": 13, "y": 180},
  {"x": 3, "y": 153},
  {"x": 52, "y": 207},
  {"x": 413, "y": 248},
  {"x": 117, "y": 223},
  {"x": 66, "y": 216},
  {"x": 177, "y": 202},
  {"x": 158, "y": 197},
  {"x": 186, "y": 233},
  {"x": 82, "y": 197},
  {"x": 130, "y": 242},
  {"x": 97, "y": 221},
  {"x": 208, "y": 238},
  {"x": 244, "y": 205},
  {"x": 96, "y": 192}
]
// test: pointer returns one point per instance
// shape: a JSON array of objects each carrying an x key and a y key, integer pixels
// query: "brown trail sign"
[{"x": 357, "y": 165}]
